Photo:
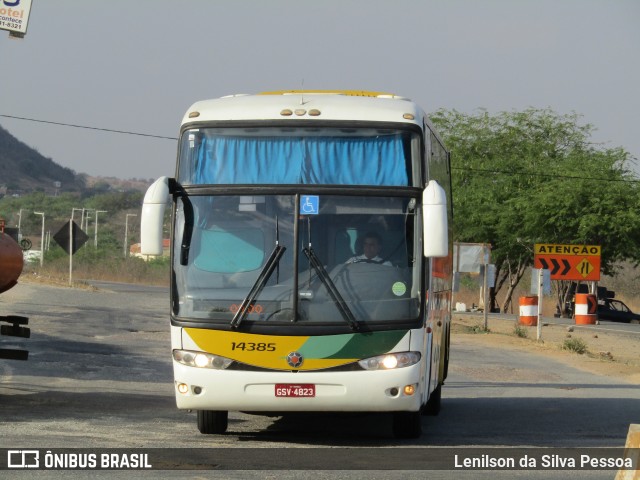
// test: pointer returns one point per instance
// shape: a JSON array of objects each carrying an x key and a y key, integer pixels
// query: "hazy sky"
[{"x": 137, "y": 65}]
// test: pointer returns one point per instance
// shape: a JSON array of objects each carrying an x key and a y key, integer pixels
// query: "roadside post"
[
  {"x": 488, "y": 272},
  {"x": 541, "y": 278},
  {"x": 485, "y": 298}
]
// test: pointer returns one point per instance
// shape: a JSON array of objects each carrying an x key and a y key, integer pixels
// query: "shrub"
[
  {"x": 520, "y": 331},
  {"x": 575, "y": 345},
  {"x": 477, "y": 329}
]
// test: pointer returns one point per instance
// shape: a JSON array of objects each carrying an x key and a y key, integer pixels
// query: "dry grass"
[
  {"x": 607, "y": 352},
  {"x": 129, "y": 270}
]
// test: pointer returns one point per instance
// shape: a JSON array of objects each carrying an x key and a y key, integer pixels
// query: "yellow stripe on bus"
[{"x": 266, "y": 351}]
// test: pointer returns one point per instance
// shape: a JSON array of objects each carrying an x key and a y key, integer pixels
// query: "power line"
[
  {"x": 125, "y": 132},
  {"x": 545, "y": 175},
  {"x": 472, "y": 170}
]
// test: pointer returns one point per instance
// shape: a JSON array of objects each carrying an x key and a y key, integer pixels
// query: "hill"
[{"x": 24, "y": 170}]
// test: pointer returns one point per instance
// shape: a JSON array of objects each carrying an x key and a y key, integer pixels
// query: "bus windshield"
[
  {"x": 297, "y": 259},
  {"x": 299, "y": 155}
]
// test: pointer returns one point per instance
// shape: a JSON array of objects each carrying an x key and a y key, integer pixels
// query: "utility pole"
[
  {"x": 95, "y": 239},
  {"x": 73, "y": 211},
  {"x": 19, "y": 224},
  {"x": 41, "y": 238},
  {"x": 86, "y": 219}
]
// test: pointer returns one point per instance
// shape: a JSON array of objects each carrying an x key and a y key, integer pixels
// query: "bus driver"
[{"x": 371, "y": 246}]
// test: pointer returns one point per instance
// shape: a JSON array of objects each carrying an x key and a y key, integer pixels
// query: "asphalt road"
[{"x": 99, "y": 376}]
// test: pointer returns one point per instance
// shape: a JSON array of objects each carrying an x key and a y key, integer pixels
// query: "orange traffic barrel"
[
  {"x": 529, "y": 311},
  {"x": 586, "y": 309}
]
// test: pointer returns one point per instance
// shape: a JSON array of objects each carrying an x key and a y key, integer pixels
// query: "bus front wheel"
[
  {"x": 432, "y": 407},
  {"x": 210, "y": 421},
  {"x": 407, "y": 424}
]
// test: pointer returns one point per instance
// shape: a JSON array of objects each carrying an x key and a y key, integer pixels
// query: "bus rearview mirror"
[
  {"x": 152, "y": 218},
  {"x": 434, "y": 214}
]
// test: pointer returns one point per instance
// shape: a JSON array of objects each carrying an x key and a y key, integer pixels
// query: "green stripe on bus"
[{"x": 353, "y": 345}]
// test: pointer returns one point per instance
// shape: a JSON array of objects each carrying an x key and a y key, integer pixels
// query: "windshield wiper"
[
  {"x": 343, "y": 308},
  {"x": 257, "y": 287}
]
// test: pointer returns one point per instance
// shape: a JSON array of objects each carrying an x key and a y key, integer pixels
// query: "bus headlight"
[
  {"x": 201, "y": 359},
  {"x": 390, "y": 361}
]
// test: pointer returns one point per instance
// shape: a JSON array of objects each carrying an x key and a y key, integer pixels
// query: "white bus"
[{"x": 311, "y": 257}]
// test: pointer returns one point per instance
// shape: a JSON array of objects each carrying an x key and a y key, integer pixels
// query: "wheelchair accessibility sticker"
[{"x": 309, "y": 204}]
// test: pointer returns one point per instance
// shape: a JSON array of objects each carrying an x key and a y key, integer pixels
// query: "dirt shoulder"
[{"x": 608, "y": 353}]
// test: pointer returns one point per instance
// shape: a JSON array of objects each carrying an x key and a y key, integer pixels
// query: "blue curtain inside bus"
[{"x": 301, "y": 160}]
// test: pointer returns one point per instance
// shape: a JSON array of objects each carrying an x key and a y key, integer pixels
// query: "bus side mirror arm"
[
  {"x": 152, "y": 218},
  {"x": 435, "y": 224}
]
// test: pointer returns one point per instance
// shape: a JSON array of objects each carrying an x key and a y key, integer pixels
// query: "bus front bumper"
[{"x": 285, "y": 391}]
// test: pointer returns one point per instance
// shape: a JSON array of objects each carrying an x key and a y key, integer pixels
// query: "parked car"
[{"x": 616, "y": 311}]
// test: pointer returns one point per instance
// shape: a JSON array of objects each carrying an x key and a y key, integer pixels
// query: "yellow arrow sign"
[{"x": 584, "y": 267}]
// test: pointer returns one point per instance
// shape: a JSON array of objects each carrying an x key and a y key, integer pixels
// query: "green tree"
[{"x": 535, "y": 176}]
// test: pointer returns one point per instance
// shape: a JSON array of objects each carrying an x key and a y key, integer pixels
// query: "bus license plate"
[{"x": 289, "y": 390}]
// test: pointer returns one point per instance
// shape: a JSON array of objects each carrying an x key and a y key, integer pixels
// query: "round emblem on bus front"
[{"x": 294, "y": 359}]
